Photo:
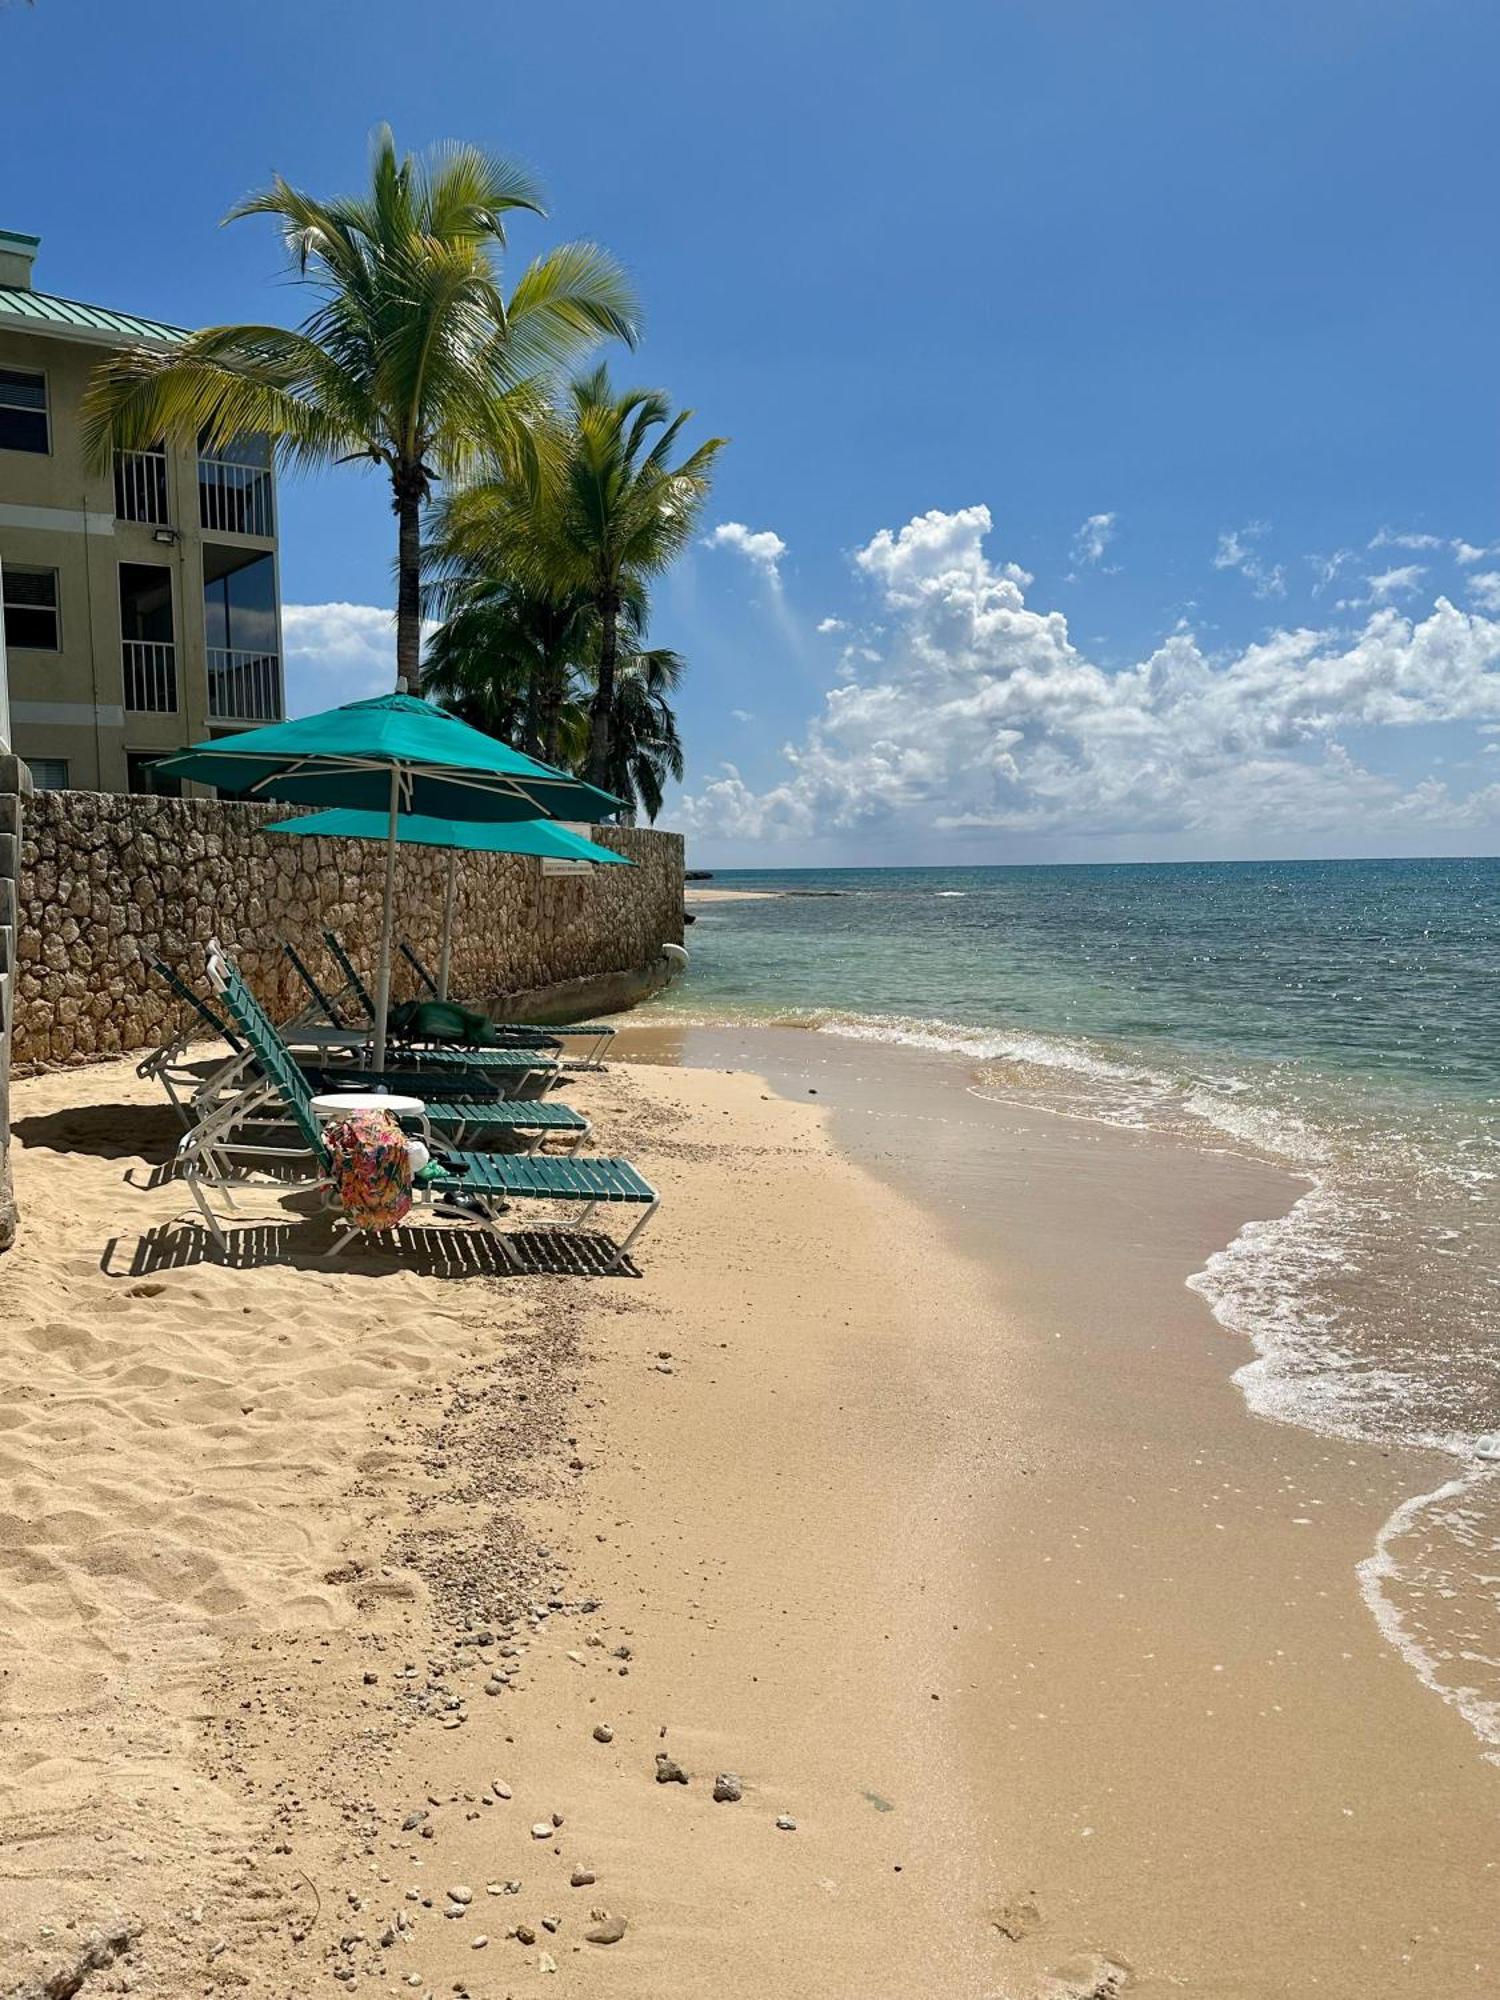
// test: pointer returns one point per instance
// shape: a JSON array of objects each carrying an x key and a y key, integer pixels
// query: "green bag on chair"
[{"x": 442, "y": 1021}]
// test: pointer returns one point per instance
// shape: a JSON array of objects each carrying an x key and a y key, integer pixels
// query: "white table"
[{"x": 344, "y": 1104}]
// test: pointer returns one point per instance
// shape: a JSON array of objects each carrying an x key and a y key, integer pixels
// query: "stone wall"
[
  {"x": 15, "y": 784},
  {"x": 108, "y": 882}
]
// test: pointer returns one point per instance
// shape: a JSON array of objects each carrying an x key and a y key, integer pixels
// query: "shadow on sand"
[
  {"x": 109, "y": 1131},
  {"x": 431, "y": 1251}
]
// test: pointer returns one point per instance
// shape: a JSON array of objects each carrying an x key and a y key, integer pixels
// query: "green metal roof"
[{"x": 19, "y": 306}]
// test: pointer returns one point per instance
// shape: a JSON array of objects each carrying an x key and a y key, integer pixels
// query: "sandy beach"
[
  {"x": 702, "y": 893},
  {"x": 347, "y": 1611}
]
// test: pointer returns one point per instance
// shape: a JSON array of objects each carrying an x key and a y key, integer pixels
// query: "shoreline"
[
  {"x": 693, "y": 893},
  {"x": 867, "y": 1457}
]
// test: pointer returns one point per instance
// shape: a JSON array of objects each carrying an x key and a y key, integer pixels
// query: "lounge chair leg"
[
  {"x": 215, "y": 1229},
  {"x": 624, "y": 1250}
]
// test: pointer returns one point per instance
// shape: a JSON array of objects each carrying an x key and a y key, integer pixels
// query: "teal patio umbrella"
[
  {"x": 394, "y": 754},
  {"x": 544, "y": 838}
]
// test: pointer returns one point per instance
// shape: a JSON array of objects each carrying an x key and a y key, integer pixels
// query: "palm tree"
[
  {"x": 599, "y": 510},
  {"x": 506, "y": 659},
  {"x": 412, "y": 359},
  {"x": 522, "y": 667},
  {"x": 626, "y": 514},
  {"x": 644, "y": 747}
]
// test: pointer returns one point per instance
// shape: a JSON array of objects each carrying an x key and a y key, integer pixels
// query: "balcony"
[
  {"x": 243, "y": 687},
  {"x": 150, "y": 676},
  {"x": 235, "y": 497},
  {"x": 141, "y": 487}
]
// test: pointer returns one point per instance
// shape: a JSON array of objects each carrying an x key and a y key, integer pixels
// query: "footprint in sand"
[{"x": 1088, "y": 1976}]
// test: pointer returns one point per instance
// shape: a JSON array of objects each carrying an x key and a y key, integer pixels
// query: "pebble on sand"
[
  {"x": 460, "y": 1893},
  {"x": 582, "y": 1878},
  {"x": 728, "y": 1789},
  {"x": 668, "y": 1770},
  {"x": 603, "y": 1733},
  {"x": 543, "y": 1830},
  {"x": 786, "y": 1823},
  {"x": 609, "y": 1932}
]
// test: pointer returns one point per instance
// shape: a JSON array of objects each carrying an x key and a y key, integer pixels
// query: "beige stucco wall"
[
  {"x": 106, "y": 882},
  {"x": 58, "y": 512}
]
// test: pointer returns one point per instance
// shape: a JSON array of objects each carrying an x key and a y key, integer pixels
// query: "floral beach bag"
[{"x": 370, "y": 1168}]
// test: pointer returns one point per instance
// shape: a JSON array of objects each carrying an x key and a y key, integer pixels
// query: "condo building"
[{"x": 141, "y": 602}]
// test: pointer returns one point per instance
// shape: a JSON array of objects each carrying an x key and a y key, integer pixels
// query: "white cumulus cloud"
[
  {"x": 1484, "y": 588},
  {"x": 761, "y": 547},
  {"x": 979, "y": 712},
  {"x": 832, "y": 625},
  {"x": 337, "y": 652}
]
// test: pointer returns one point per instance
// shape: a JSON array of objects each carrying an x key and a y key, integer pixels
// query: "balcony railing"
[
  {"x": 141, "y": 487},
  {"x": 234, "y": 498},
  {"x": 150, "y": 676},
  {"x": 243, "y": 687}
]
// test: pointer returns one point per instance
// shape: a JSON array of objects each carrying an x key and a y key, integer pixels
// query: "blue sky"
[{"x": 1063, "y": 347}]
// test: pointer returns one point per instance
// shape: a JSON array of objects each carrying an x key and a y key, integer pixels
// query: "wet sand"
[
  {"x": 1194, "y": 1744},
  {"x": 907, "y": 1482}
]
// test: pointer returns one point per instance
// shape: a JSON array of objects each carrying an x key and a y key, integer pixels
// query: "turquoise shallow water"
[{"x": 1341, "y": 1018}]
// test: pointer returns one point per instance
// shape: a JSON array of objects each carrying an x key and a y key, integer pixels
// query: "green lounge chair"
[
  {"x": 466, "y": 1055},
  {"x": 598, "y": 1034},
  {"x": 481, "y": 1188},
  {"x": 323, "y": 1025},
  {"x": 472, "y": 1102}
]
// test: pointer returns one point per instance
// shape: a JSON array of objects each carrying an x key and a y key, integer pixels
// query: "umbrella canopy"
[
  {"x": 394, "y": 754},
  {"x": 345, "y": 757},
  {"x": 532, "y": 836},
  {"x": 529, "y": 836}
]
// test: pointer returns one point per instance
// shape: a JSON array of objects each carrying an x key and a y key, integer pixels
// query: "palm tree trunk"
[
  {"x": 549, "y": 721},
  {"x": 408, "y": 505},
  {"x": 536, "y": 697},
  {"x": 602, "y": 710}
]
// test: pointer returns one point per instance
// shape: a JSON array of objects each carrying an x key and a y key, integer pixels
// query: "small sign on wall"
[{"x": 551, "y": 866}]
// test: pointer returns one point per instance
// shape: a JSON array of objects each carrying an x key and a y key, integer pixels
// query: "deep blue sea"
[{"x": 1342, "y": 1018}]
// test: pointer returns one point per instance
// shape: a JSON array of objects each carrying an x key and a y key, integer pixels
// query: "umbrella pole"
[
  {"x": 447, "y": 958},
  {"x": 383, "y": 976}
]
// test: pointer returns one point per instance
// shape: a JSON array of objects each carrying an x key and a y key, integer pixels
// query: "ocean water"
[{"x": 1341, "y": 1018}]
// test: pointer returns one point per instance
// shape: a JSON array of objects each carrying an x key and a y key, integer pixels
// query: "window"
[
  {"x": 234, "y": 486},
  {"x": 141, "y": 775},
  {"x": 239, "y": 601},
  {"x": 31, "y": 620},
  {"x": 48, "y": 774},
  {"x": 23, "y": 410},
  {"x": 141, "y": 486},
  {"x": 149, "y": 657}
]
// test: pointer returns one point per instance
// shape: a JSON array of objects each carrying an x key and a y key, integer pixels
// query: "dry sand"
[
  {"x": 252, "y": 1514},
  {"x": 906, "y": 1483}
]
